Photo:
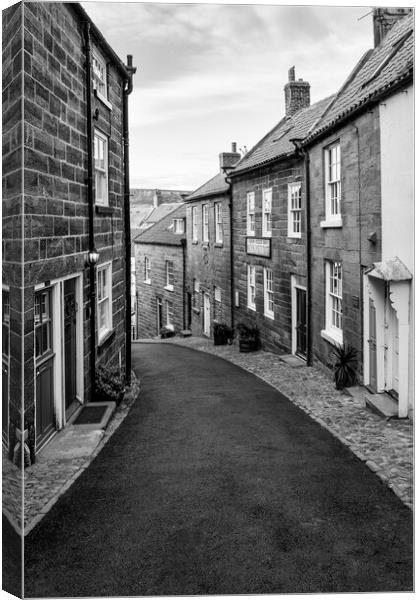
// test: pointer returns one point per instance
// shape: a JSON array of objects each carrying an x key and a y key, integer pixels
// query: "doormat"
[{"x": 90, "y": 415}]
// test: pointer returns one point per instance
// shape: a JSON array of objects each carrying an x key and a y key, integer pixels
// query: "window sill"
[
  {"x": 332, "y": 337},
  {"x": 254, "y": 308},
  {"x": 218, "y": 245},
  {"x": 205, "y": 244},
  {"x": 250, "y": 233},
  {"x": 331, "y": 223},
  {"x": 148, "y": 281},
  {"x": 169, "y": 288},
  {"x": 195, "y": 242},
  {"x": 269, "y": 316},
  {"x": 99, "y": 96},
  {"x": 294, "y": 236},
  {"x": 101, "y": 209},
  {"x": 266, "y": 235},
  {"x": 106, "y": 339},
  {"x": 196, "y": 311}
]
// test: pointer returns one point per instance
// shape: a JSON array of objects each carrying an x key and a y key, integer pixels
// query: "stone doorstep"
[
  {"x": 381, "y": 404},
  {"x": 292, "y": 360},
  {"x": 110, "y": 409}
]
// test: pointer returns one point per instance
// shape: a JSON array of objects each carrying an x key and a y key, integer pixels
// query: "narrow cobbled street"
[{"x": 216, "y": 483}]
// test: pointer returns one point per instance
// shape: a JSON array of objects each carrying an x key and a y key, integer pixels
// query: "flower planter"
[{"x": 248, "y": 345}]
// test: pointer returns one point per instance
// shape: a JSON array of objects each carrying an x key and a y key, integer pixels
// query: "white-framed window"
[
  {"x": 104, "y": 303},
  {"x": 333, "y": 302},
  {"x": 179, "y": 226},
  {"x": 147, "y": 270},
  {"x": 43, "y": 323},
  {"x": 205, "y": 222},
  {"x": 267, "y": 201},
  {"x": 250, "y": 213},
  {"x": 217, "y": 294},
  {"x": 194, "y": 221},
  {"x": 169, "y": 313},
  {"x": 99, "y": 75},
  {"x": 294, "y": 199},
  {"x": 169, "y": 271},
  {"x": 218, "y": 223},
  {"x": 332, "y": 160},
  {"x": 101, "y": 168},
  {"x": 196, "y": 294},
  {"x": 251, "y": 287},
  {"x": 268, "y": 293}
]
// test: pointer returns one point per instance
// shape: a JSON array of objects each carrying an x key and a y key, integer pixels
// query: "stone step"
[
  {"x": 292, "y": 360},
  {"x": 186, "y": 333},
  {"x": 383, "y": 405}
]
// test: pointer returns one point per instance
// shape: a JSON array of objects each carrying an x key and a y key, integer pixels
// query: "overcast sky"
[{"x": 209, "y": 74}]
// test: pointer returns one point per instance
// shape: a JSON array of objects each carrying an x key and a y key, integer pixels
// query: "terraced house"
[
  {"x": 362, "y": 215},
  {"x": 269, "y": 227},
  {"x": 66, "y": 243}
]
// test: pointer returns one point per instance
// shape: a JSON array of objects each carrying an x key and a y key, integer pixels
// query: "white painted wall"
[{"x": 397, "y": 176}]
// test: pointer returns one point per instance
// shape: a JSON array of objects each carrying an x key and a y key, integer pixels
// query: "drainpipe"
[
  {"x": 359, "y": 197},
  {"x": 90, "y": 198},
  {"x": 184, "y": 248},
  {"x": 128, "y": 88},
  {"x": 232, "y": 291}
]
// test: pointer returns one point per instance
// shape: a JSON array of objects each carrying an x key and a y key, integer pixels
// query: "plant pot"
[
  {"x": 248, "y": 345},
  {"x": 220, "y": 340}
]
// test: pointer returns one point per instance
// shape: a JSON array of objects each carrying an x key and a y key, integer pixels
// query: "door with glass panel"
[
  {"x": 44, "y": 366},
  {"x": 301, "y": 322}
]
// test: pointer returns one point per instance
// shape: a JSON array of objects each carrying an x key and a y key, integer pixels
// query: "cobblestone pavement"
[
  {"x": 48, "y": 479},
  {"x": 386, "y": 446}
]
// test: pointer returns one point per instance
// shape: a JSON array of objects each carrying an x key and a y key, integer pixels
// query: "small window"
[
  {"x": 250, "y": 214},
  {"x": 169, "y": 275},
  {"x": 43, "y": 323},
  {"x": 333, "y": 184},
  {"x": 194, "y": 224},
  {"x": 294, "y": 223},
  {"x": 196, "y": 294},
  {"x": 205, "y": 210},
  {"x": 169, "y": 309},
  {"x": 251, "y": 288},
  {"x": 179, "y": 226},
  {"x": 267, "y": 198},
  {"x": 333, "y": 301},
  {"x": 99, "y": 75},
  {"x": 101, "y": 168},
  {"x": 217, "y": 294},
  {"x": 6, "y": 323},
  {"x": 268, "y": 294},
  {"x": 147, "y": 270},
  {"x": 104, "y": 283},
  {"x": 218, "y": 223}
]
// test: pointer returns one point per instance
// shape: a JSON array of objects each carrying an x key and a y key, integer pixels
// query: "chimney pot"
[
  {"x": 292, "y": 74},
  {"x": 234, "y": 147}
]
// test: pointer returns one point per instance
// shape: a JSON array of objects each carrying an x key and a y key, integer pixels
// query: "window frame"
[
  {"x": 194, "y": 222},
  {"x": 44, "y": 324},
  {"x": 251, "y": 287},
  {"x": 103, "y": 332},
  {"x": 102, "y": 91},
  {"x": 147, "y": 270},
  {"x": 250, "y": 214},
  {"x": 331, "y": 332},
  {"x": 97, "y": 134},
  {"x": 218, "y": 223},
  {"x": 217, "y": 293},
  {"x": 177, "y": 222},
  {"x": 205, "y": 223},
  {"x": 267, "y": 214},
  {"x": 268, "y": 293},
  {"x": 196, "y": 294},
  {"x": 169, "y": 310},
  {"x": 169, "y": 275},
  {"x": 332, "y": 180},
  {"x": 293, "y": 210}
]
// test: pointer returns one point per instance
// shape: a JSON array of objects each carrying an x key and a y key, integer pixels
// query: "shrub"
[
  {"x": 222, "y": 334},
  {"x": 345, "y": 366},
  {"x": 109, "y": 384}
]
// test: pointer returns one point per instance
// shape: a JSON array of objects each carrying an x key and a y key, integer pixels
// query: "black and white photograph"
[{"x": 208, "y": 302}]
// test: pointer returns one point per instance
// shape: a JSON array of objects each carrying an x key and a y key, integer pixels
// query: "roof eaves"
[{"x": 263, "y": 164}]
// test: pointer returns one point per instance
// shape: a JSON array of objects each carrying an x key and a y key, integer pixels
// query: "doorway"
[
  {"x": 159, "y": 314},
  {"x": 206, "y": 314},
  {"x": 70, "y": 309},
  {"x": 44, "y": 366},
  {"x": 299, "y": 320}
]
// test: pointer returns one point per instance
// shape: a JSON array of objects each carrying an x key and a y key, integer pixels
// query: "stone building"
[
  {"x": 269, "y": 227},
  {"x": 160, "y": 253},
  {"x": 66, "y": 244},
  {"x": 209, "y": 251},
  {"x": 362, "y": 203}
]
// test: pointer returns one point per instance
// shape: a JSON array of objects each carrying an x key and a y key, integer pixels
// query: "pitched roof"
[
  {"x": 377, "y": 73},
  {"x": 157, "y": 214},
  {"x": 215, "y": 185},
  {"x": 134, "y": 233},
  {"x": 162, "y": 233},
  {"x": 277, "y": 142}
]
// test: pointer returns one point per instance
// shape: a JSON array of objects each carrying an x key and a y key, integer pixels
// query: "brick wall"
[
  {"x": 55, "y": 211},
  {"x": 348, "y": 244},
  {"x": 288, "y": 254},
  {"x": 209, "y": 264},
  {"x": 147, "y": 294}
]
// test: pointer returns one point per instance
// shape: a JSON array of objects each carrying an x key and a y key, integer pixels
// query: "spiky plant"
[{"x": 345, "y": 365}]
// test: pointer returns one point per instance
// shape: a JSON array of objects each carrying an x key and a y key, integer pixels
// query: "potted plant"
[
  {"x": 249, "y": 337},
  {"x": 167, "y": 331},
  {"x": 345, "y": 366},
  {"x": 222, "y": 334},
  {"x": 109, "y": 384}
]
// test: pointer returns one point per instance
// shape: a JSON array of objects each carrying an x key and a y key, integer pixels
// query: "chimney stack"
[
  {"x": 228, "y": 160},
  {"x": 384, "y": 19},
  {"x": 157, "y": 198},
  {"x": 297, "y": 94}
]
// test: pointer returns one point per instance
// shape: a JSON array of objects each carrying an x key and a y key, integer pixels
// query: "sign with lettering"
[{"x": 259, "y": 246}]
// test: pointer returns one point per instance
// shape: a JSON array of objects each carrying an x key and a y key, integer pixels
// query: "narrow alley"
[{"x": 217, "y": 484}]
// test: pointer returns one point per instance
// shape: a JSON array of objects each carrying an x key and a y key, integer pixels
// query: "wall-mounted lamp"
[{"x": 92, "y": 257}]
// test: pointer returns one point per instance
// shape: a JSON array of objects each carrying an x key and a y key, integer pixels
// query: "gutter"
[{"x": 128, "y": 88}]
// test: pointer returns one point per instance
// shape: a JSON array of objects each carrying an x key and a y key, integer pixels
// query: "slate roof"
[
  {"x": 161, "y": 233},
  {"x": 277, "y": 142},
  {"x": 157, "y": 214},
  {"x": 215, "y": 185},
  {"x": 381, "y": 70}
]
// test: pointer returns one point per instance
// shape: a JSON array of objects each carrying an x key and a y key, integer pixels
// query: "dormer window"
[{"x": 179, "y": 226}]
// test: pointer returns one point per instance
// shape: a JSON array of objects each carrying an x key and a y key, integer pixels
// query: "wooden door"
[
  {"x": 206, "y": 314},
  {"x": 159, "y": 314},
  {"x": 373, "y": 371},
  {"x": 301, "y": 322},
  {"x": 394, "y": 353},
  {"x": 70, "y": 345},
  {"x": 44, "y": 366}
]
